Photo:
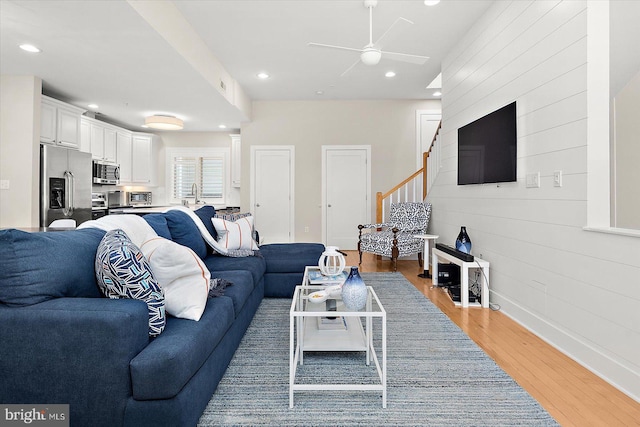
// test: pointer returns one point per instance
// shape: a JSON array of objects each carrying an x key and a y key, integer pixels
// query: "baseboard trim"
[{"x": 610, "y": 370}]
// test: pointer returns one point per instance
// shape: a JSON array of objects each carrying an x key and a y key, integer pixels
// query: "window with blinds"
[{"x": 207, "y": 171}]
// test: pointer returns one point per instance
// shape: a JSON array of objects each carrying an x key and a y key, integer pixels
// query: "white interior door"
[
  {"x": 272, "y": 195},
  {"x": 427, "y": 122},
  {"x": 346, "y": 185}
]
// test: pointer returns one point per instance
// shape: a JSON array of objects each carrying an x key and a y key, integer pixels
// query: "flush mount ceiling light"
[
  {"x": 263, "y": 75},
  {"x": 431, "y": 2},
  {"x": 390, "y": 74},
  {"x": 437, "y": 93},
  {"x": 93, "y": 106},
  {"x": 164, "y": 122},
  {"x": 222, "y": 126},
  {"x": 29, "y": 48}
]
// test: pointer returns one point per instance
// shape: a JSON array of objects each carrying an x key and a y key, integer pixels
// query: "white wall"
[
  {"x": 578, "y": 290},
  {"x": 388, "y": 126},
  {"x": 20, "y": 150}
]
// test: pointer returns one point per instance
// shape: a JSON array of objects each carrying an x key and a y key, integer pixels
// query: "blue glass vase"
[
  {"x": 354, "y": 291},
  {"x": 463, "y": 242}
]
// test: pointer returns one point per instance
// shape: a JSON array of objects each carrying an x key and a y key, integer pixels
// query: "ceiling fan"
[{"x": 372, "y": 52}]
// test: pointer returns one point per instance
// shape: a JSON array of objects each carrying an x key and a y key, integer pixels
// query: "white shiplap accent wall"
[{"x": 578, "y": 290}]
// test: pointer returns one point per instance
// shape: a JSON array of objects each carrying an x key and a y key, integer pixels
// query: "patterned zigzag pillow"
[{"x": 122, "y": 271}]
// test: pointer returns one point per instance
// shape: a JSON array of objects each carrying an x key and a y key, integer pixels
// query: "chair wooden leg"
[{"x": 395, "y": 252}]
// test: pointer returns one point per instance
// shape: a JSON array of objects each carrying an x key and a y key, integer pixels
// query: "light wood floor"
[{"x": 570, "y": 393}]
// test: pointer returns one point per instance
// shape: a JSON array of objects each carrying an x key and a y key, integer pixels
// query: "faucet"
[{"x": 194, "y": 190}]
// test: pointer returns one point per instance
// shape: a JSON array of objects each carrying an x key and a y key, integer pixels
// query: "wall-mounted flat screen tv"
[{"x": 487, "y": 148}]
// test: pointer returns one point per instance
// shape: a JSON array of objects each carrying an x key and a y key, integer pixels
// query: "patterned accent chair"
[{"x": 395, "y": 237}]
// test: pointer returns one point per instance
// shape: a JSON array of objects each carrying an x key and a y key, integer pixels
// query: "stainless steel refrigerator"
[{"x": 65, "y": 185}]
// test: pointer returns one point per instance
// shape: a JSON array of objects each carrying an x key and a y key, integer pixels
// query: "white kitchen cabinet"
[
  {"x": 141, "y": 159},
  {"x": 85, "y": 135},
  {"x": 102, "y": 138},
  {"x": 97, "y": 141},
  {"x": 110, "y": 145},
  {"x": 123, "y": 150},
  {"x": 236, "y": 159},
  {"x": 59, "y": 123}
]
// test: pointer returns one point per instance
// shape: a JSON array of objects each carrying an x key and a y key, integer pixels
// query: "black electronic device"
[
  {"x": 448, "y": 275},
  {"x": 456, "y": 253},
  {"x": 454, "y": 293},
  {"x": 487, "y": 148}
]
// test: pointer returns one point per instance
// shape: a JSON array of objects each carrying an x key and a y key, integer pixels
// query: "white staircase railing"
[
  {"x": 415, "y": 188},
  {"x": 433, "y": 161}
]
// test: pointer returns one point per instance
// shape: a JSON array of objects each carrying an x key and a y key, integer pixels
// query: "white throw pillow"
[
  {"x": 181, "y": 274},
  {"x": 235, "y": 234}
]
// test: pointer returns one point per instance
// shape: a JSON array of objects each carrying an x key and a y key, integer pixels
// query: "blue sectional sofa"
[{"x": 61, "y": 342}]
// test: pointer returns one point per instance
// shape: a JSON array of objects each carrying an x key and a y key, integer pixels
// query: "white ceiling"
[{"x": 105, "y": 52}]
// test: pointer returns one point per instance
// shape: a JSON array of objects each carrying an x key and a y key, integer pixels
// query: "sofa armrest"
[{"x": 72, "y": 351}]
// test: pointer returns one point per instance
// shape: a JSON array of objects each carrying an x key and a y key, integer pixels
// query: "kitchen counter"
[
  {"x": 141, "y": 210},
  {"x": 138, "y": 210}
]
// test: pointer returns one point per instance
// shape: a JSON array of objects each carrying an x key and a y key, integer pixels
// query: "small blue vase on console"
[
  {"x": 463, "y": 242},
  {"x": 354, "y": 291}
]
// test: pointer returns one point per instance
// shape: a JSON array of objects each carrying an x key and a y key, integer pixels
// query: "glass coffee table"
[{"x": 312, "y": 329}]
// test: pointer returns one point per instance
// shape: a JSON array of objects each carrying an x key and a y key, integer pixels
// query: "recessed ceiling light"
[
  {"x": 431, "y": 2},
  {"x": 390, "y": 74},
  {"x": 319, "y": 92},
  {"x": 263, "y": 75},
  {"x": 29, "y": 48},
  {"x": 437, "y": 93},
  {"x": 222, "y": 126},
  {"x": 94, "y": 106}
]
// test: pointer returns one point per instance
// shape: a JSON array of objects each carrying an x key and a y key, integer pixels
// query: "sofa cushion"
[
  {"x": 291, "y": 257},
  {"x": 185, "y": 232},
  {"x": 163, "y": 368},
  {"x": 236, "y": 234},
  {"x": 159, "y": 224},
  {"x": 254, "y": 264},
  {"x": 122, "y": 271},
  {"x": 36, "y": 267},
  {"x": 241, "y": 288},
  {"x": 182, "y": 275},
  {"x": 205, "y": 213}
]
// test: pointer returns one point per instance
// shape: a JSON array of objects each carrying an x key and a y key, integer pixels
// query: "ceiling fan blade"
[
  {"x": 334, "y": 47},
  {"x": 384, "y": 38},
  {"x": 350, "y": 68},
  {"x": 405, "y": 57}
]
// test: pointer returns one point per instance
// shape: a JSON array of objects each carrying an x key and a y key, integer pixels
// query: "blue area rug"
[{"x": 436, "y": 375}]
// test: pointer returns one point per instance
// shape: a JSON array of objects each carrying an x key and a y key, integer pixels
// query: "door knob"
[
  {"x": 257, "y": 205},
  {"x": 329, "y": 205}
]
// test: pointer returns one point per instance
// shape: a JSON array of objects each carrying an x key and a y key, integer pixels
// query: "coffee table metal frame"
[{"x": 304, "y": 335}]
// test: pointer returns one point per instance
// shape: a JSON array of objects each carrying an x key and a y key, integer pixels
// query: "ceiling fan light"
[
  {"x": 370, "y": 56},
  {"x": 164, "y": 122}
]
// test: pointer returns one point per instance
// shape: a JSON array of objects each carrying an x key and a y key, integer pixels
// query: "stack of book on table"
[
  {"x": 332, "y": 323},
  {"x": 317, "y": 278}
]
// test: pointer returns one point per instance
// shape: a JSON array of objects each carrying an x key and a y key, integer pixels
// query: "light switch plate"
[
  {"x": 533, "y": 180},
  {"x": 4, "y": 184},
  {"x": 557, "y": 178}
]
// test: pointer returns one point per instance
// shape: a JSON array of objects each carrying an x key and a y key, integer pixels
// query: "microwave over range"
[{"x": 106, "y": 172}]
